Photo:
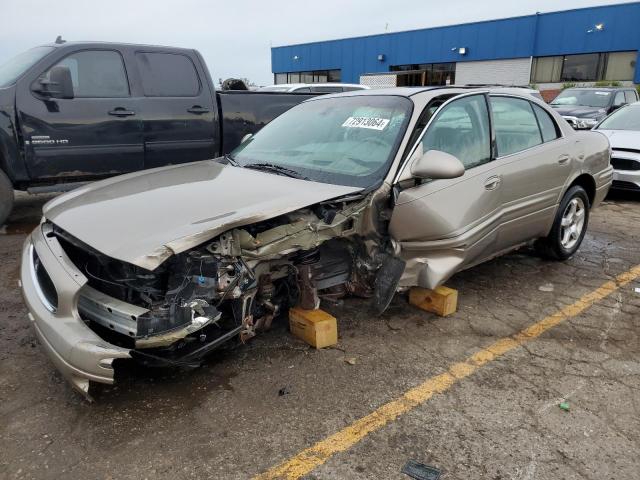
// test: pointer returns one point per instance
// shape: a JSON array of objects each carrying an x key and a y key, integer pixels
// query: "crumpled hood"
[
  {"x": 628, "y": 139},
  {"x": 145, "y": 217},
  {"x": 580, "y": 111}
]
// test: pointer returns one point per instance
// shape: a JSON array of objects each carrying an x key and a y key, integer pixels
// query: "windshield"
[
  {"x": 11, "y": 70},
  {"x": 274, "y": 89},
  {"x": 341, "y": 140},
  {"x": 627, "y": 118},
  {"x": 583, "y": 98}
]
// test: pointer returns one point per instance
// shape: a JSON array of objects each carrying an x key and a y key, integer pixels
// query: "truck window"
[
  {"x": 168, "y": 75},
  {"x": 97, "y": 74}
]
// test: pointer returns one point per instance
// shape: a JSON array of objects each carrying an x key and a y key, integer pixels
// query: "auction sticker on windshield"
[{"x": 366, "y": 122}]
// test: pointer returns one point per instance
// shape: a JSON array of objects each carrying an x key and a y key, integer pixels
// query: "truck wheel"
[
  {"x": 6, "y": 197},
  {"x": 569, "y": 226}
]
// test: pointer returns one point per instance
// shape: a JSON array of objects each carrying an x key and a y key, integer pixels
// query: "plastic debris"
[
  {"x": 547, "y": 287},
  {"x": 564, "y": 406},
  {"x": 420, "y": 471},
  {"x": 284, "y": 391},
  {"x": 350, "y": 360},
  {"x": 637, "y": 289}
]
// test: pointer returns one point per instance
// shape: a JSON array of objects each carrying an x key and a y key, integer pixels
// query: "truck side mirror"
[
  {"x": 435, "y": 164},
  {"x": 58, "y": 85}
]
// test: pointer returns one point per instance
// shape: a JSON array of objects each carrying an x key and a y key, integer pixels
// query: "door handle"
[
  {"x": 197, "y": 109},
  {"x": 563, "y": 159},
  {"x": 492, "y": 183},
  {"x": 121, "y": 112}
]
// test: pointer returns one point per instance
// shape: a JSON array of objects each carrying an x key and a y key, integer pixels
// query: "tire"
[
  {"x": 569, "y": 226},
  {"x": 6, "y": 197}
]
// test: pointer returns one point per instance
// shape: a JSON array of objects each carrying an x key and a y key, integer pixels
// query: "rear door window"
[
  {"x": 547, "y": 126},
  {"x": 630, "y": 96},
  {"x": 168, "y": 75},
  {"x": 515, "y": 125}
]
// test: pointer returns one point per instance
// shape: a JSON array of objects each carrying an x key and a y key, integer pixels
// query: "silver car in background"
[
  {"x": 331, "y": 87},
  {"x": 363, "y": 193},
  {"x": 623, "y": 130}
]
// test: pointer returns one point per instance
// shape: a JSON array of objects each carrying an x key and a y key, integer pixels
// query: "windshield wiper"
[
  {"x": 231, "y": 160},
  {"x": 271, "y": 167}
]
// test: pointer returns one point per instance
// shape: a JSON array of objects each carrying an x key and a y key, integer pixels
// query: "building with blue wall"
[{"x": 581, "y": 46}]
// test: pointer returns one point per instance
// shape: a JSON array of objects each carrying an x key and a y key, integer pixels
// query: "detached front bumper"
[{"x": 50, "y": 286}]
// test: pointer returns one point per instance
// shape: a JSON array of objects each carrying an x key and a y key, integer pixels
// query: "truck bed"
[{"x": 243, "y": 112}]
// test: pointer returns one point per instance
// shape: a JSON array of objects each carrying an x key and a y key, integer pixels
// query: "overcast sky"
[{"x": 235, "y": 36}]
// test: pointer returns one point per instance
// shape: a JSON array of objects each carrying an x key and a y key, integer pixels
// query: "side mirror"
[
  {"x": 246, "y": 138},
  {"x": 58, "y": 85},
  {"x": 435, "y": 164},
  {"x": 614, "y": 107}
]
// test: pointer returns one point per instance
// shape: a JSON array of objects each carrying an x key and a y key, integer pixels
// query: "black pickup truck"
[{"x": 76, "y": 112}]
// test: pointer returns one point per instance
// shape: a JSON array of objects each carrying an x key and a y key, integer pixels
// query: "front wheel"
[
  {"x": 569, "y": 226},
  {"x": 6, "y": 197}
]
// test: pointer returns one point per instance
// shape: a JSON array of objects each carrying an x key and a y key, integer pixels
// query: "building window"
[
  {"x": 316, "y": 76},
  {"x": 584, "y": 67},
  {"x": 423, "y": 74},
  {"x": 621, "y": 66}
]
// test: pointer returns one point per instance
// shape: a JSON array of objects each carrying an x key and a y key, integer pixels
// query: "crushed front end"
[{"x": 232, "y": 286}]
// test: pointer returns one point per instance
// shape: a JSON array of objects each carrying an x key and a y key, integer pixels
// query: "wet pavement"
[{"x": 253, "y": 406}]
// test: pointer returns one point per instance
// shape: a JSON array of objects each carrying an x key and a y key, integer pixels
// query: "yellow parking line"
[{"x": 314, "y": 456}]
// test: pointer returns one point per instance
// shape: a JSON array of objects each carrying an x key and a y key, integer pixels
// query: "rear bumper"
[{"x": 79, "y": 353}]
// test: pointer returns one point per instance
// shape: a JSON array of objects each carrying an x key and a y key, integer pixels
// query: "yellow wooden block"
[
  {"x": 442, "y": 301},
  {"x": 316, "y": 327}
]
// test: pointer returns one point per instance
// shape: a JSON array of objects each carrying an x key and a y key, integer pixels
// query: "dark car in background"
[
  {"x": 584, "y": 107},
  {"x": 75, "y": 112}
]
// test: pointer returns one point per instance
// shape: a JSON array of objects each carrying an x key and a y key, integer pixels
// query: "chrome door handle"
[
  {"x": 492, "y": 183},
  {"x": 121, "y": 112},
  {"x": 563, "y": 159}
]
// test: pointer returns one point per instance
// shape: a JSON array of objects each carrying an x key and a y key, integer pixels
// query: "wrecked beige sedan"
[{"x": 363, "y": 193}]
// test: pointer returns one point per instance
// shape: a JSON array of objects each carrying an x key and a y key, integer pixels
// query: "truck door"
[
  {"x": 179, "y": 112},
  {"x": 98, "y": 132}
]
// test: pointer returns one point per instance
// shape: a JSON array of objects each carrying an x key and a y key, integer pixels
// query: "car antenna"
[{"x": 59, "y": 40}]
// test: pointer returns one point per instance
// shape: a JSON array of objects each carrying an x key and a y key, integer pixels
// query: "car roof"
[
  {"x": 600, "y": 88},
  {"x": 414, "y": 91},
  {"x": 328, "y": 84},
  {"x": 94, "y": 44}
]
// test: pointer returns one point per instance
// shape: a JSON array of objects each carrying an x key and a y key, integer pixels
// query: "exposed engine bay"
[{"x": 237, "y": 283}]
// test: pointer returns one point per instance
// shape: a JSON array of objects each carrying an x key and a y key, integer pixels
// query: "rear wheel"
[
  {"x": 569, "y": 226},
  {"x": 6, "y": 197}
]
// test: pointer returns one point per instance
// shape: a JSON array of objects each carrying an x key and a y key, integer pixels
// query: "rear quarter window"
[{"x": 167, "y": 75}]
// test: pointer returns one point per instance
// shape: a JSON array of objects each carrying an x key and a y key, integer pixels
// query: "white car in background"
[
  {"x": 313, "y": 87},
  {"x": 622, "y": 128}
]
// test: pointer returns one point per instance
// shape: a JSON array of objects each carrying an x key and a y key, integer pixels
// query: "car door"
[
  {"x": 97, "y": 132},
  {"x": 533, "y": 162},
  {"x": 178, "y": 113},
  {"x": 447, "y": 224}
]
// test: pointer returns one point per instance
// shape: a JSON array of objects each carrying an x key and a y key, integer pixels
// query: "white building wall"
[
  {"x": 515, "y": 71},
  {"x": 384, "y": 80}
]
